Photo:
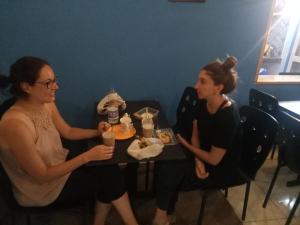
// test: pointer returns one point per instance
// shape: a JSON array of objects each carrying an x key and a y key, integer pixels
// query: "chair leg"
[
  {"x": 291, "y": 215},
  {"x": 226, "y": 192},
  {"x": 271, "y": 186},
  {"x": 247, "y": 192},
  {"x": 273, "y": 151},
  {"x": 28, "y": 222},
  {"x": 13, "y": 218},
  {"x": 202, "y": 208},
  {"x": 147, "y": 176}
]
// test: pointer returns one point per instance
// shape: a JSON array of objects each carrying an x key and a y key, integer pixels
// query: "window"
[{"x": 280, "y": 55}]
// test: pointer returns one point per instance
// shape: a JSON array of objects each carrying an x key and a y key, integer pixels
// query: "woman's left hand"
[
  {"x": 181, "y": 140},
  {"x": 103, "y": 126}
]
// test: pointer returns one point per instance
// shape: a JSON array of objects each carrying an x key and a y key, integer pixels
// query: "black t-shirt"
[{"x": 219, "y": 130}]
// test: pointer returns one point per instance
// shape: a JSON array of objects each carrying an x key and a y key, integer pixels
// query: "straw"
[
  {"x": 112, "y": 128},
  {"x": 147, "y": 116}
]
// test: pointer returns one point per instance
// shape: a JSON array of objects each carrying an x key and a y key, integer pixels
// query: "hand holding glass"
[{"x": 109, "y": 137}]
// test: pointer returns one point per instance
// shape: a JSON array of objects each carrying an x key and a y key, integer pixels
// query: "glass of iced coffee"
[
  {"x": 108, "y": 137},
  {"x": 148, "y": 127}
]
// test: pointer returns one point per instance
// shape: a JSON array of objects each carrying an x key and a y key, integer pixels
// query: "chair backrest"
[
  {"x": 186, "y": 112},
  {"x": 264, "y": 101},
  {"x": 290, "y": 146},
  {"x": 6, "y": 190},
  {"x": 258, "y": 137},
  {"x": 6, "y": 105}
]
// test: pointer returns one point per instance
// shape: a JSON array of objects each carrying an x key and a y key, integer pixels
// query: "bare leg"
[
  {"x": 123, "y": 207},
  {"x": 161, "y": 217},
  {"x": 101, "y": 211}
]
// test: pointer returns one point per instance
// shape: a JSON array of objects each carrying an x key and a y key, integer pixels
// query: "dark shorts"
[
  {"x": 104, "y": 183},
  {"x": 174, "y": 176}
]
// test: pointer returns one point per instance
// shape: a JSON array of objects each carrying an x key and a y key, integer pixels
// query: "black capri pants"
[
  {"x": 174, "y": 176},
  {"x": 104, "y": 183}
]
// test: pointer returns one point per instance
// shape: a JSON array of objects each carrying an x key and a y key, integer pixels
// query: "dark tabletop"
[{"x": 170, "y": 152}]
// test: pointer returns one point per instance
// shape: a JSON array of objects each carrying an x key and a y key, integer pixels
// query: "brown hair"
[
  {"x": 26, "y": 69},
  {"x": 223, "y": 73}
]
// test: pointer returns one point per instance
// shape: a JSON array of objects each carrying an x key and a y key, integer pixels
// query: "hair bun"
[{"x": 229, "y": 63}]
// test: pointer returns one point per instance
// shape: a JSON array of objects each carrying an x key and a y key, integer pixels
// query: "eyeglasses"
[{"x": 49, "y": 83}]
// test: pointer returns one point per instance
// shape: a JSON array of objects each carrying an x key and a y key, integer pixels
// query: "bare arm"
[
  {"x": 213, "y": 157},
  {"x": 25, "y": 152},
  {"x": 73, "y": 133},
  {"x": 195, "y": 135},
  {"x": 199, "y": 165}
]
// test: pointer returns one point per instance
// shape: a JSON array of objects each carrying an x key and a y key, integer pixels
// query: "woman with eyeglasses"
[{"x": 33, "y": 157}]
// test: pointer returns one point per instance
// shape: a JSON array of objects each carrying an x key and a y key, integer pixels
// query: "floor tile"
[
  {"x": 266, "y": 222},
  {"x": 219, "y": 211},
  {"x": 282, "y": 196},
  {"x": 255, "y": 211}
]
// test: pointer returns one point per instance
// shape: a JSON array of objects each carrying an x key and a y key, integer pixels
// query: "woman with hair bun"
[{"x": 212, "y": 159}]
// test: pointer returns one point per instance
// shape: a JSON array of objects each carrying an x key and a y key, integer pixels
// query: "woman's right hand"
[
  {"x": 200, "y": 169},
  {"x": 103, "y": 126},
  {"x": 100, "y": 152}
]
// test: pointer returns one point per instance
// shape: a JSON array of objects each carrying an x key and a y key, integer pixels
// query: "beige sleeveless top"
[{"x": 27, "y": 191}]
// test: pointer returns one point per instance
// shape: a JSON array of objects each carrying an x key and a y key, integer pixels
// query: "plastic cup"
[
  {"x": 108, "y": 138},
  {"x": 148, "y": 127}
]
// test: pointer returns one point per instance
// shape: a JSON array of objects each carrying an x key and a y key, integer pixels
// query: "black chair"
[
  {"x": 292, "y": 213},
  {"x": 185, "y": 114},
  {"x": 289, "y": 152},
  {"x": 6, "y": 105},
  {"x": 10, "y": 202},
  {"x": 269, "y": 104},
  {"x": 18, "y": 213},
  {"x": 255, "y": 139}
]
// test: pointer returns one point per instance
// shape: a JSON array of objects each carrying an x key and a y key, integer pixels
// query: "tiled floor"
[
  {"x": 280, "y": 203},
  {"x": 218, "y": 212}
]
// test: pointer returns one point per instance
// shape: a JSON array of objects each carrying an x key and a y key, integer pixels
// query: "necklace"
[
  {"x": 41, "y": 119},
  {"x": 40, "y": 116}
]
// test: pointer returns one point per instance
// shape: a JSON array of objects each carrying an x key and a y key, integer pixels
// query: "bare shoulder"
[
  {"x": 15, "y": 115},
  {"x": 14, "y": 123}
]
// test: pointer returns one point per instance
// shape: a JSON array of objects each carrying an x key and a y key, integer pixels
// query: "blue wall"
[{"x": 145, "y": 49}]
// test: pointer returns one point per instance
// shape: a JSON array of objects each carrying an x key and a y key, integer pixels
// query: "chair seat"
[
  {"x": 236, "y": 178},
  {"x": 254, "y": 141}
]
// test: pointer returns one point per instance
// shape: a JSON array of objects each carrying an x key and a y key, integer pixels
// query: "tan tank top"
[{"x": 27, "y": 191}]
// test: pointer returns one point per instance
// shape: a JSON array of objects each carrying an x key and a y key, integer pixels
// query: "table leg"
[{"x": 131, "y": 178}]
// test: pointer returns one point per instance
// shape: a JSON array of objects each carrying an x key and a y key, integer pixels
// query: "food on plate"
[
  {"x": 143, "y": 142},
  {"x": 165, "y": 137},
  {"x": 142, "y": 148}
]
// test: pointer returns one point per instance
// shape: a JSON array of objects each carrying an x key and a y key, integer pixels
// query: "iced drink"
[
  {"x": 148, "y": 130},
  {"x": 108, "y": 138}
]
